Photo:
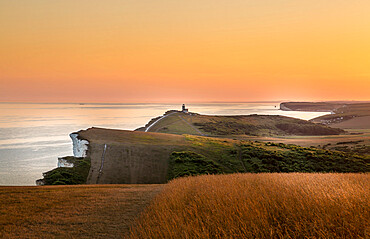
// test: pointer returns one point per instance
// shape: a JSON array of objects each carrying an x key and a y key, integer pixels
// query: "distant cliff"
[
  {"x": 345, "y": 114},
  {"x": 310, "y": 106}
]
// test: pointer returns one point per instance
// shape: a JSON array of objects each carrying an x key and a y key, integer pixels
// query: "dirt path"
[
  {"x": 102, "y": 163},
  {"x": 240, "y": 156},
  {"x": 93, "y": 211}
]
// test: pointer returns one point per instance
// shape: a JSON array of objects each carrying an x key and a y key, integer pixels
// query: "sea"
[{"x": 34, "y": 135}]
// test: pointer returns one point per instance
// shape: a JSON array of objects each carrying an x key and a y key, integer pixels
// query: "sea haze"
[{"x": 33, "y": 136}]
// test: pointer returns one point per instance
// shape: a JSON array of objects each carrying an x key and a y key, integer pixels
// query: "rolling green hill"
[{"x": 176, "y": 122}]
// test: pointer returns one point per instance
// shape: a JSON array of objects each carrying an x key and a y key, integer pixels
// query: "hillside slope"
[
  {"x": 260, "y": 206},
  {"x": 255, "y": 125},
  {"x": 121, "y": 157}
]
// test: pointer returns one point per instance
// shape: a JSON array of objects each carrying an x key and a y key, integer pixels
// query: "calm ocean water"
[{"x": 33, "y": 136}]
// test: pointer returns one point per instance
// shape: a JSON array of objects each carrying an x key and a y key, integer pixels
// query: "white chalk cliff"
[
  {"x": 79, "y": 146},
  {"x": 63, "y": 163}
]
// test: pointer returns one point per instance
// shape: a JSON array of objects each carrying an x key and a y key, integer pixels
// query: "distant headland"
[{"x": 344, "y": 114}]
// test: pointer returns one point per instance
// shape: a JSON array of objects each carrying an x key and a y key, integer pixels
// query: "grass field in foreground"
[
  {"x": 274, "y": 205},
  {"x": 97, "y": 211}
]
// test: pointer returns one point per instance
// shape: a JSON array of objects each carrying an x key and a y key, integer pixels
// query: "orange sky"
[{"x": 184, "y": 51}]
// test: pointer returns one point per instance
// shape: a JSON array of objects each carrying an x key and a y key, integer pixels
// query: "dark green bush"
[
  {"x": 69, "y": 176},
  {"x": 188, "y": 163}
]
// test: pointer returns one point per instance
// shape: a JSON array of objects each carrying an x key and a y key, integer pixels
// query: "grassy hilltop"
[
  {"x": 176, "y": 122},
  {"x": 351, "y": 135}
]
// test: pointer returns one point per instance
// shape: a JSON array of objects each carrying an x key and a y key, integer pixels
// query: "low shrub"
[{"x": 188, "y": 163}]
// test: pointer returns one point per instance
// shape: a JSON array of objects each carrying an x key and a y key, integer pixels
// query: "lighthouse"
[{"x": 184, "y": 110}]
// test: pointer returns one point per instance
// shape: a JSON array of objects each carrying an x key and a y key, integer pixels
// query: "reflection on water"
[{"x": 33, "y": 136}]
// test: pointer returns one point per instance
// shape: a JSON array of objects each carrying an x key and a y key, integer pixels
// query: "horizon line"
[{"x": 181, "y": 102}]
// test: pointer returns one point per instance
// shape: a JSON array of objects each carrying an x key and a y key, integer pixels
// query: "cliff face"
[
  {"x": 311, "y": 106},
  {"x": 127, "y": 164},
  {"x": 126, "y": 157},
  {"x": 284, "y": 107},
  {"x": 80, "y": 146}
]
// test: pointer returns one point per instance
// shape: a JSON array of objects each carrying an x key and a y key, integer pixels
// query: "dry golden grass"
[
  {"x": 104, "y": 211},
  {"x": 260, "y": 206}
]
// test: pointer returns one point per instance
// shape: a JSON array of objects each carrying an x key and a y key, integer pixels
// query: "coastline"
[{"x": 33, "y": 148}]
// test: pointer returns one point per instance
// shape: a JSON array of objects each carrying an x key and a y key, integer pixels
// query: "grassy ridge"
[
  {"x": 261, "y": 125},
  {"x": 260, "y": 206},
  {"x": 255, "y": 125}
]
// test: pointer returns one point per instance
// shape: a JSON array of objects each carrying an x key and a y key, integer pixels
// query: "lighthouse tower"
[{"x": 184, "y": 110}]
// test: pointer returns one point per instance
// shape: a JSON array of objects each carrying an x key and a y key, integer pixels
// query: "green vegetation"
[
  {"x": 358, "y": 149},
  {"x": 307, "y": 128},
  {"x": 216, "y": 156},
  {"x": 223, "y": 152},
  {"x": 69, "y": 176},
  {"x": 262, "y": 125},
  {"x": 173, "y": 123},
  {"x": 188, "y": 163},
  {"x": 167, "y": 156},
  {"x": 254, "y": 125},
  {"x": 300, "y": 159},
  {"x": 229, "y": 127}
]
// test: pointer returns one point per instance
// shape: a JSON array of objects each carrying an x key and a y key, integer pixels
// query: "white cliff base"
[
  {"x": 63, "y": 163},
  {"x": 79, "y": 146}
]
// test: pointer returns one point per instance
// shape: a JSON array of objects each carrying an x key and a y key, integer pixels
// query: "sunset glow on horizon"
[{"x": 191, "y": 51}]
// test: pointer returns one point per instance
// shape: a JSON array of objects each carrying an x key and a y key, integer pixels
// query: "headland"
[{"x": 183, "y": 143}]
